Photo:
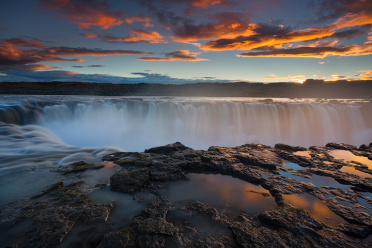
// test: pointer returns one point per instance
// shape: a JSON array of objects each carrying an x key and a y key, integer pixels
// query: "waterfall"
[
  {"x": 40, "y": 133},
  {"x": 137, "y": 124}
]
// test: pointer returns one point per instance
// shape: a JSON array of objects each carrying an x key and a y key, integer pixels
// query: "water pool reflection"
[
  {"x": 348, "y": 156},
  {"x": 316, "y": 208},
  {"x": 222, "y": 192},
  {"x": 353, "y": 171},
  {"x": 125, "y": 207},
  {"x": 318, "y": 181},
  {"x": 303, "y": 154}
]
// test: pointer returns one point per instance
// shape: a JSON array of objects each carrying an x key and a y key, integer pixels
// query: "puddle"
[
  {"x": 316, "y": 208},
  {"x": 225, "y": 193},
  {"x": 125, "y": 207},
  {"x": 364, "y": 202},
  {"x": 302, "y": 154},
  {"x": 92, "y": 178},
  {"x": 357, "y": 207},
  {"x": 348, "y": 156},
  {"x": 318, "y": 181},
  {"x": 293, "y": 166},
  {"x": 353, "y": 171}
]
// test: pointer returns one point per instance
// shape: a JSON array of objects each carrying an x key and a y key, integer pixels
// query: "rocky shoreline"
[{"x": 65, "y": 214}]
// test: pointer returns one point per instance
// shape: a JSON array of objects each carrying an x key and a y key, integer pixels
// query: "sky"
[{"x": 185, "y": 41}]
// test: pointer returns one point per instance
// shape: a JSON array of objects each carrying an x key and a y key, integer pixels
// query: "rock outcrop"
[{"x": 57, "y": 214}]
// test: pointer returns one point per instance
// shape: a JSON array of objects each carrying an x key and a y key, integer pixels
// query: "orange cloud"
[
  {"x": 352, "y": 20},
  {"x": 145, "y": 36},
  {"x": 258, "y": 39},
  {"x": 205, "y": 3},
  {"x": 338, "y": 76},
  {"x": 86, "y": 13},
  {"x": 297, "y": 78},
  {"x": 314, "y": 52},
  {"x": 40, "y": 67},
  {"x": 13, "y": 57},
  {"x": 228, "y": 25},
  {"x": 91, "y": 36},
  {"x": 19, "y": 42},
  {"x": 139, "y": 18},
  {"x": 136, "y": 36},
  {"x": 364, "y": 75},
  {"x": 102, "y": 20},
  {"x": 179, "y": 55}
]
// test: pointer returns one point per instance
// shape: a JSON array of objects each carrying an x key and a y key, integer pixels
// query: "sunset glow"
[{"x": 229, "y": 40}]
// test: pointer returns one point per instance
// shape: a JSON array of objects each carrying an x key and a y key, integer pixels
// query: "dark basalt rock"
[
  {"x": 296, "y": 220},
  {"x": 167, "y": 149},
  {"x": 358, "y": 231},
  {"x": 129, "y": 182},
  {"x": 136, "y": 160},
  {"x": 53, "y": 218},
  {"x": 264, "y": 159},
  {"x": 289, "y": 148},
  {"x": 48, "y": 190},
  {"x": 56, "y": 211},
  {"x": 79, "y": 167},
  {"x": 341, "y": 146}
]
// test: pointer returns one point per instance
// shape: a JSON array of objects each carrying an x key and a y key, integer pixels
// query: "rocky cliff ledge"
[{"x": 64, "y": 215}]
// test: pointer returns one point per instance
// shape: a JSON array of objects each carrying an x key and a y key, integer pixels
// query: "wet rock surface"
[
  {"x": 79, "y": 167},
  {"x": 131, "y": 181},
  {"x": 52, "y": 217}
]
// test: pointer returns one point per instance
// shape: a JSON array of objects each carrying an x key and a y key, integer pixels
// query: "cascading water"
[
  {"x": 65, "y": 129},
  {"x": 137, "y": 124}
]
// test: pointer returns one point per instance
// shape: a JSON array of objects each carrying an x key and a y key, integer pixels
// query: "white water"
[
  {"x": 66, "y": 129},
  {"x": 136, "y": 125}
]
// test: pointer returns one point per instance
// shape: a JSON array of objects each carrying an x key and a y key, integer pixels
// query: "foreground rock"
[
  {"x": 131, "y": 181},
  {"x": 311, "y": 176},
  {"x": 49, "y": 217},
  {"x": 80, "y": 167}
]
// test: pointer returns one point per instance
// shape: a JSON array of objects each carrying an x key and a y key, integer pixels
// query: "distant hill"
[{"x": 310, "y": 88}]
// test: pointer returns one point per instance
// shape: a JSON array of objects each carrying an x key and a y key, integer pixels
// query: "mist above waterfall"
[{"x": 136, "y": 124}]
